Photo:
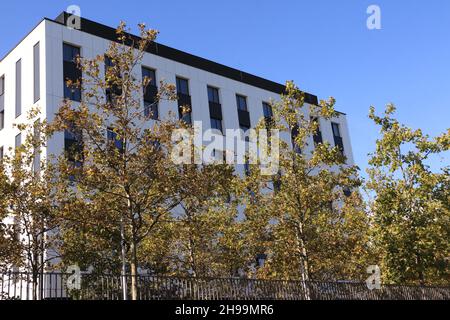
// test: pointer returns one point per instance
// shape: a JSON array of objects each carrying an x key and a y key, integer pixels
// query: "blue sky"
[{"x": 324, "y": 45}]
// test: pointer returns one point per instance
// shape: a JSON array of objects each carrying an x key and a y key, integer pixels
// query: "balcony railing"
[{"x": 53, "y": 285}]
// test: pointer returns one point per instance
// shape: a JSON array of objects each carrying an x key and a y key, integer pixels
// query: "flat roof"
[{"x": 109, "y": 33}]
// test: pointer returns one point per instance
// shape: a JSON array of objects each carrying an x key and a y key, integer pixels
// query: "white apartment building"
[{"x": 33, "y": 75}]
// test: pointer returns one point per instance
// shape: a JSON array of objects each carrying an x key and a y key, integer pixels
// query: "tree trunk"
[
  {"x": 124, "y": 259},
  {"x": 303, "y": 257},
  {"x": 133, "y": 266},
  {"x": 192, "y": 260},
  {"x": 34, "y": 285},
  {"x": 419, "y": 270},
  {"x": 133, "y": 249}
]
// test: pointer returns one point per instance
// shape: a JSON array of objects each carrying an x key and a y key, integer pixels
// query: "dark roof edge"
[
  {"x": 103, "y": 31},
  {"x": 109, "y": 33}
]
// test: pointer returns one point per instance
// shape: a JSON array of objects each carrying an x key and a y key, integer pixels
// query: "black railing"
[{"x": 54, "y": 285}]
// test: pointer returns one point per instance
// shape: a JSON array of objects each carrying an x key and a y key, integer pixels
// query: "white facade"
[{"x": 52, "y": 34}]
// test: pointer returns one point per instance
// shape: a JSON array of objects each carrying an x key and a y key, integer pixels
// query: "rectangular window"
[
  {"x": 336, "y": 129},
  {"x": 73, "y": 148},
  {"x": 317, "y": 137},
  {"x": 247, "y": 168},
  {"x": 2, "y": 102},
  {"x": 150, "y": 94},
  {"x": 294, "y": 134},
  {"x": 70, "y": 53},
  {"x": 184, "y": 100},
  {"x": 2, "y": 119},
  {"x": 73, "y": 145},
  {"x": 151, "y": 110},
  {"x": 18, "y": 88},
  {"x": 267, "y": 110},
  {"x": 71, "y": 72},
  {"x": 243, "y": 114},
  {"x": 113, "y": 89},
  {"x": 18, "y": 140},
  {"x": 112, "y": 138},
  {"x": 241, "y": 102},
  {"x": 2, "y": 85},
  {"x": 150, "y": 74},
  {"x": 36, "y": 72},
  {"x": 338, "y": 142},
  {"x": 37, "y": 153},
  {"x": 213, "y": 95},
  {"x": 1, "y": 153},
  {"x": 182, "y": 86},
  {"x": 215, "y": 109}
]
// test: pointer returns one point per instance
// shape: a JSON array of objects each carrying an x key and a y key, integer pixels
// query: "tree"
[
  {"x": 411, "y": 202},
  {"x": 121, "y": 164},
  {"x": 307, "y": 214},
  {"x": 200, "y": 218},
  {"x": 29, "y": 197}
]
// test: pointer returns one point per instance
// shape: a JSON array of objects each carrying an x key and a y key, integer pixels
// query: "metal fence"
[{"x": 54, "y": 285}]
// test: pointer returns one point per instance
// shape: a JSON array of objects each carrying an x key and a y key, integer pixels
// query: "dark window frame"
[
  {"x": 184, "y": 99},
  {"x": 239, "y": 98},
  {"x": 151, "y": 106},
  {"x": 179, "y": 81},
  {"x": 36, "y": 72},
  {"x": 317, "y": 136},
  {"x": 213, "y": 93},
  {"x": 267, "y": 106},
  {"x": 2, "y": 85},
  {"x": 337, "y": 136},
  {"x": 18, "y": 71},
  {"x": 335, "y": 125},
  {"x": 73, "y": 145},
  {"x": 111, "y": 137},
  {"x": 2, "y": 119},
  {"x": 73, "y": 94},
  {"x": 152, "y": 79},
  {"x": 17, "y": 140}
]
